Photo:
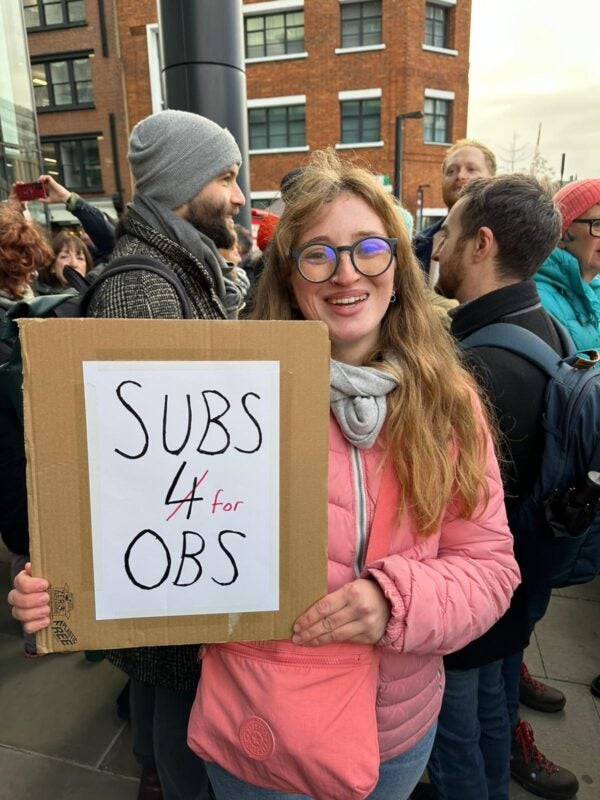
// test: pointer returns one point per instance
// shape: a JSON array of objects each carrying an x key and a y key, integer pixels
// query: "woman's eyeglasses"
[
  {"x": 594, "y": 225},
  {"x": 371, "y": 256}
]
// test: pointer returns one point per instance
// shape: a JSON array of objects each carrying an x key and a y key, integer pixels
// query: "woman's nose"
[{"x": 345, "y": 273}]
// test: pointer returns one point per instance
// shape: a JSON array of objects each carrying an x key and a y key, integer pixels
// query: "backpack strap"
[
  {"x": 516, "y": 340},
  {"x": 140, "y": 263}
]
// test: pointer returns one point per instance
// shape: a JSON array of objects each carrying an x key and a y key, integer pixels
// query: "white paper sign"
[{"x": 184, "y": 486}]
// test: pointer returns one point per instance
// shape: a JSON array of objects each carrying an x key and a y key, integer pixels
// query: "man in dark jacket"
[
  {"x": 185, "y": 168},
  {"x": 494, "y": 238},
  {"x": 465, "y": 160}
]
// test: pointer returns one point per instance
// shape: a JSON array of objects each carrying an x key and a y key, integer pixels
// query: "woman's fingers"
[{"x": 358, "y": 611}]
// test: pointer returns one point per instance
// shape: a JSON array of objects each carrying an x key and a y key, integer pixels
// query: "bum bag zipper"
[{"x": 260, "y": 654}]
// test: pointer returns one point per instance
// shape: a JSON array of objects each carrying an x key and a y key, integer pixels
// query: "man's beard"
[
  {"x": 211, "y": 220},
  {"x": 450, "y": 277}
]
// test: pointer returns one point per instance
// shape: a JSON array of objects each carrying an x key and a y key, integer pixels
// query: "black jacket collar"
[{"x": 493, "y": 307}]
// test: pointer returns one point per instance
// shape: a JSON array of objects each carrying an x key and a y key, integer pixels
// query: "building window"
[
  {"x": 277, "y": 127},
  {"x": 436, "y": 25},
  {"x": 361, "y": 24},
  {"x": 62, "y": 84},
  {"x": 360, "y": 120},
  {"x": 274, "y": 34},
  {"x": 50, "y": 13},
  {"x": 74, "y": 162},
  {"x": 437, "y": 122}
]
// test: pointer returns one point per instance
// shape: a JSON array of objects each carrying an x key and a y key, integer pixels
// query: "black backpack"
[
  {"x": 13, "y": 488},
  {"x": 558, "y": 523}
]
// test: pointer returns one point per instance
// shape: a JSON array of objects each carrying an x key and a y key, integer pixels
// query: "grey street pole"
[
  {"x": 204, "y": 69},
  {"x": 398, "y": 152}
]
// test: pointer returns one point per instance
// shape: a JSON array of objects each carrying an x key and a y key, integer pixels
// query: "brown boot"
[
  {"x": 535, "y": 772},
  {"x": 538, "y": 695}
]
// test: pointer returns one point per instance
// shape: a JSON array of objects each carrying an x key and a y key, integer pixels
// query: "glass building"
[{"x": 20, "y": 157}]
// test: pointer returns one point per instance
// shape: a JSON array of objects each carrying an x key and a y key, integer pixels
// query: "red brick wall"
[
  {"x": 134, "y": 15},
  {"x": 108, "y": 90},
  {"x": 402, "y": 71}
]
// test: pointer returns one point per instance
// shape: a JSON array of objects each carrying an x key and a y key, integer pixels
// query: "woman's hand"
[
  {"x": 30, "y": 601},
  {"x": 357, "y": 612},
  {"x": 55, "y": 193}
]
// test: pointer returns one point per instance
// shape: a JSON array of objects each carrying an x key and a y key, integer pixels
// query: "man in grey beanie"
[{"x": 185, "y": 167}]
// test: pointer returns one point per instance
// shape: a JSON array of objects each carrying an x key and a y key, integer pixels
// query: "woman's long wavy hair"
[
  {"x": 24, "y": 251},
  {"x": 435, "y": 426}
]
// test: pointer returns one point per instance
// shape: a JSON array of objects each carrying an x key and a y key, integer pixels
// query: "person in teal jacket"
[{"x": 568, "y": 282}]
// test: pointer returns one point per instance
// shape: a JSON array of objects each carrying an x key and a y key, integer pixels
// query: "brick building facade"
[
  {"x": 400, "y": 55},
  {"x": 333, "y": 73},
  {"x": 79, "y": 92}
]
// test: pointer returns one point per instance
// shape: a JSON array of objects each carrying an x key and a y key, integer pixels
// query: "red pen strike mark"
[{"x": 188, "y": 495}]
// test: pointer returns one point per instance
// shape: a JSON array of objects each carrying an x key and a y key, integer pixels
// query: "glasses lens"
[
  {"x": 595, "y": 227},
  {"x": 317, "y": 262},
  {"x": 372, "y": 256}
]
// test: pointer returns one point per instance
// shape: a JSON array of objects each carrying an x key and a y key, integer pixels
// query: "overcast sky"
[{"x": 532, "y": 62}]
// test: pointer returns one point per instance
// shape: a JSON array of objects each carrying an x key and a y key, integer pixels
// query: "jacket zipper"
[{"x": 361, "y": 510}]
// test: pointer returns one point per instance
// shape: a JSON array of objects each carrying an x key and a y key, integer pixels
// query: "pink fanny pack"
[
  {"x": 295, "y": 719},
  {"x": 292, "y": 718}
]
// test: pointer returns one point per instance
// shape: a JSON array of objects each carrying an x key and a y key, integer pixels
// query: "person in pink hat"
[{"x": 568, "y": 281}]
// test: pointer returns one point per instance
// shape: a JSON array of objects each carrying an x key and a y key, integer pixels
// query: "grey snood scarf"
[{"x": 358, "y": 401}]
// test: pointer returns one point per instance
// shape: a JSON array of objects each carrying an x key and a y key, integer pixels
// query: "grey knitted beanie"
[{"x": 174, "y": 154}]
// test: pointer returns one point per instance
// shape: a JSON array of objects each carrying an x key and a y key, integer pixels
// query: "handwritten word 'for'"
[
  {"x": 191, "y": 497},
  {"x": 215, "y": 427},
  {"x": 148, "y": 559}
]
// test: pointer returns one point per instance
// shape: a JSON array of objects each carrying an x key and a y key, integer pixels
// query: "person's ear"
[{"x": 484, "y": 244}]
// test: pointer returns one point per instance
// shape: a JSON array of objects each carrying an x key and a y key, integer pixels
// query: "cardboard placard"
[{"x": 177, "y": 477}]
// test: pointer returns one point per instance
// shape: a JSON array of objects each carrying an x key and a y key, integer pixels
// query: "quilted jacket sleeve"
[{"x": 441, "y": 604}]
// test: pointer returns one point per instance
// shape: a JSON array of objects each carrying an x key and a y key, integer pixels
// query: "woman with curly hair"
[{"x": 24, "y": 251}]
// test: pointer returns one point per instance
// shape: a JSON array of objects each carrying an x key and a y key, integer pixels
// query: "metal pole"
[
  {"x": 398, "y": 158},
  {"x": 203, "y": 66},
  {"x": 398, "y": 154},
  {"x": 562, "y": 168}
]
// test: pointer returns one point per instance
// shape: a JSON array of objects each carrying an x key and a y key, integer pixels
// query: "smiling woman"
[{"x": 341, "y": 254}]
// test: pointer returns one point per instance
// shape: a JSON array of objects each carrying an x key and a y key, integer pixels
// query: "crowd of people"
[{"x": 450, "y": 606}]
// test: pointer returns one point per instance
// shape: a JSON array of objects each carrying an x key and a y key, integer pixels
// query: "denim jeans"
[
  {"x": 397, "y": 778},
  {"x": 159, "y": 719},
  {"x": 471, "y": 753},
  {"x": 511, "y": 673}
]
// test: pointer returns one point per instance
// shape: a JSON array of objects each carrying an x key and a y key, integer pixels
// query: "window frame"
[
  {"x": 361, "y": 97},
  {"x": 69, "y": 59},
  {"x": 436, "y": 8},
  {"x": 270, "y": 105},
  {"x": 436, "y": 97},
  {"x": 44, "y": 26},
  {"x": 361, "y": 45},
  {"x": 79, "y": 138},
  {"x": 266, "y": 56}
]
